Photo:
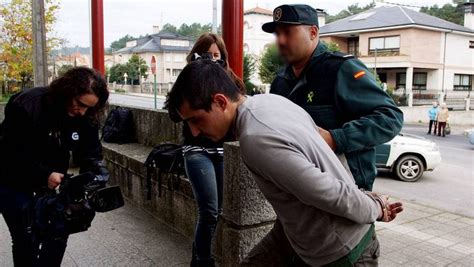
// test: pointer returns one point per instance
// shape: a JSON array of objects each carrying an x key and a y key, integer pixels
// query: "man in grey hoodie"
[{"x": 323, "y": 218}]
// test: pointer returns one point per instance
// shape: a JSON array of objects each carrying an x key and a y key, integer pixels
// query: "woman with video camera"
[{"x": 42, "y": 126}]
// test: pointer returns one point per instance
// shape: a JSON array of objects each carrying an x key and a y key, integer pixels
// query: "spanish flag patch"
[{"x": 359, "y": 74}]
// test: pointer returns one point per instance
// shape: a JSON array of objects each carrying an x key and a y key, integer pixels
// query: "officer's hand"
[
  {"x": 55, "y": 179},
  {"x": 328, "y": 138}
]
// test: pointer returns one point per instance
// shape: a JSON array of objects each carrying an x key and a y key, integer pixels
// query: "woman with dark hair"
[
  {"x": 42, "y": 126},
  {"x": 203, "y": 159}
]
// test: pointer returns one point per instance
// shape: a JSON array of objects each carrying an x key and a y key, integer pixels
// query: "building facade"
[
  {"x": 168, "y": 50},
  {"x": 410, "y": 51}
]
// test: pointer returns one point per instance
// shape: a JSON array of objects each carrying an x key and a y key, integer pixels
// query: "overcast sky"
[{"x": 136, "y": 17}]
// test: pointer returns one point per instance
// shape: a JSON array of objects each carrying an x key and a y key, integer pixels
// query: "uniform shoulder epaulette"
[{"x": 341, "y": 55}]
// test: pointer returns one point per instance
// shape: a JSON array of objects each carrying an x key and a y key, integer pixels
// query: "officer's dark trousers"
[{"x": 27, "y": 250}]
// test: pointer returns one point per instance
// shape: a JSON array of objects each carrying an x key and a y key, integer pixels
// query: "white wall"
[
  {"x": 254, "y": 36},
  {"x": 458, "y": 53}
]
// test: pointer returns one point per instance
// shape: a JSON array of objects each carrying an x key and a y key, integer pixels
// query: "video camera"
[
  {"x": 72, "y": 207},
  {"x": 90, "y": 187}
]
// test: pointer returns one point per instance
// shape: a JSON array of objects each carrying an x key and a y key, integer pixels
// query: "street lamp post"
[{"x": 154, "y": 90}]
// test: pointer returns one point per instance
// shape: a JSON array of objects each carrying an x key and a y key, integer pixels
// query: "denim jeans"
[
  {"x": 205, "y": 171},
  {"x": 27, "y": 249}
]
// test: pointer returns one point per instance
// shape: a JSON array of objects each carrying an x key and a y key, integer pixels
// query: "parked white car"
[{"x": 408, "y": 156}]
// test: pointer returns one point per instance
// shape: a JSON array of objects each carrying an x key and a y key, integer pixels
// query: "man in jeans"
[{"x": 323, "y": 218}]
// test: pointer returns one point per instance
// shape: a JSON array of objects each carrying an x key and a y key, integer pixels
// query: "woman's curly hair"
[{"x": 77, "y": 82}]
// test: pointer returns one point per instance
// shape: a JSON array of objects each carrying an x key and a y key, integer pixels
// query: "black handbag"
[{"x": 167, "y": 158}]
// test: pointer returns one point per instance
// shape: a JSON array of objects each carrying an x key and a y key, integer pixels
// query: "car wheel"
[{"x": 409, "y": 168}]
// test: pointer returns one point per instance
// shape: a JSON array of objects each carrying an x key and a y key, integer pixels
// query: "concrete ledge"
[
  {"x": 175, "y": 208},
  {"x": 154, "y": 127}
]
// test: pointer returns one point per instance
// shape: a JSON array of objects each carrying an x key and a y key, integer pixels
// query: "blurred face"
[
  {"x": 295, "y": 42},
  {"x": 81, "y": 104},
  {"x": 213, "y": 124},
  {"x": 214, "y": 51}
]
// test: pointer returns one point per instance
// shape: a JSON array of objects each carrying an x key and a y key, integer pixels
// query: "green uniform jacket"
[{"x": 342, "y": 96}]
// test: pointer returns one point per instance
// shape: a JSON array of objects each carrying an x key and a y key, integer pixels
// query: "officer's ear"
[{"x": 313, "y": 32}]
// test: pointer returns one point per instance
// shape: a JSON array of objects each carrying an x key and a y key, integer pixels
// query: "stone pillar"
[
  {"x": 409, "y": 85},
  {"x": 247, "y": 216},
  {"x": 467, "y": 103}
]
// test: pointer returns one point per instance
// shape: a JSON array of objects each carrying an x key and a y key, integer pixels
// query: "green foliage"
[
  {"x": 116, "y": 73},
  {"x": 332, "y": 46},
  {"x": 169, "y": 28},
  {"x": 249, "y": 69},
  {"x": 63, "y": 69},
  {"x": 451, "y": 12},
  {"x": 193, "y": 30},
  {"x": 17, "y": 41},
  {"x": 351, "y": 10},
  {"x": 135, "y": 67},
  {"x": 270, "y": 63},
  {"x": 121, "y": 43}
]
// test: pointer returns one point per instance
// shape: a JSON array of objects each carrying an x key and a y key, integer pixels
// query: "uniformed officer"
[{"x": 338, "y": 91}]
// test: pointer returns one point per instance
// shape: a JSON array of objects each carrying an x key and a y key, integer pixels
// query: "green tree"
[
  {"x": 270, "y": 63},
  {"x": 63, "y": 69},
  {"x": 249, "y": 69},
  {"x": 122, "y": 42},
  {"x": 116, "y": 73},
  {"x": 451, "y": 12},
  {"x": 136, "y": 67},
  {"x": 169, "y": 28},
  {"x": 17, "y": 46},
  {"x": 349, "y": 11},
  {"x": 194, "y": 30}
]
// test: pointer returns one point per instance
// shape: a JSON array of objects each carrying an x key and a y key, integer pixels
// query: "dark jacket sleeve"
[
  {"x": 23, "y": 148},
  {"x": 373, "y": 118}
]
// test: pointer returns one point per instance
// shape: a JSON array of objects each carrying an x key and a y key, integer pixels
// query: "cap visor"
[{"x": 269, "y": 27}]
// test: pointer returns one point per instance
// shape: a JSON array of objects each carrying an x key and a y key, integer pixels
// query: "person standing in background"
[
  {"x": 442, "y": 118},
  {"x": 203, "y": 158},
  {"x": 433, "y": 113}
]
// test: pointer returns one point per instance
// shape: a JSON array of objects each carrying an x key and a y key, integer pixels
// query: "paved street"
[
  {"x": 450, "y": 186},
  {"x": 136, "y": 100}
]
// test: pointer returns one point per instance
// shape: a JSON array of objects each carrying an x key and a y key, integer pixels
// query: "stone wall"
[{"x": 246, "y": 218}]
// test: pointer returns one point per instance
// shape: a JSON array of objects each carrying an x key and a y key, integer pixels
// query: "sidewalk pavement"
[{"x": 420, "y": 236}]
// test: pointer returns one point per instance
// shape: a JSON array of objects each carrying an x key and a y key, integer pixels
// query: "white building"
[
  {"x": 168, "y": 50},
  {"x": 412, "y": 52}
]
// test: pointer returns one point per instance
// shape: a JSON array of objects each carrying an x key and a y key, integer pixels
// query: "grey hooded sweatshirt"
[{"x": 323, "y": 213}]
